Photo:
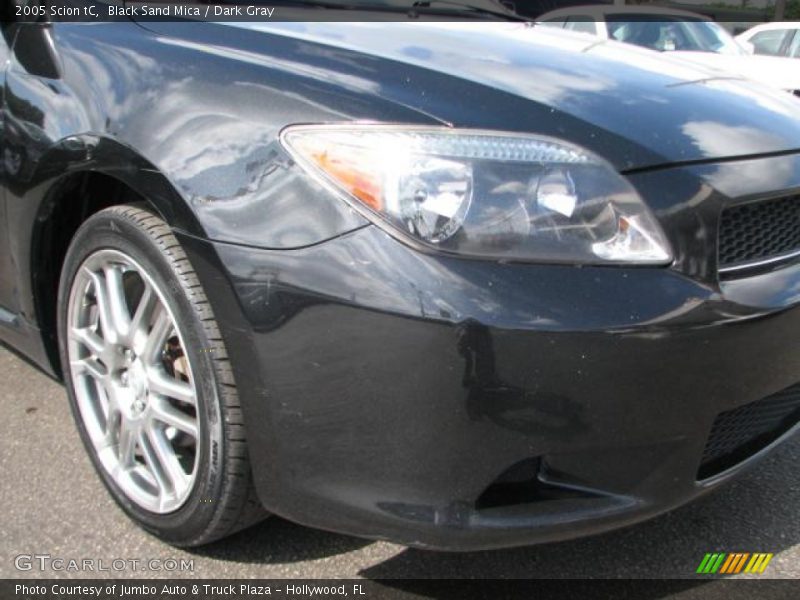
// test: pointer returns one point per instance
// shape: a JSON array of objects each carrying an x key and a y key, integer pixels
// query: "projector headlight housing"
[{"x": 484, "y": 194}]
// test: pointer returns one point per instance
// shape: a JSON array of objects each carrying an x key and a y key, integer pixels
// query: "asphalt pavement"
[{"x": 53, "y": 504}]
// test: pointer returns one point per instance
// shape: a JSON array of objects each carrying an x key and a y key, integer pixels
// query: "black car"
[{"x": 455, "y": 285}]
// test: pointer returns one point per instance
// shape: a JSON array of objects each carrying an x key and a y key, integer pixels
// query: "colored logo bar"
[{"x": 732, "y": 563}]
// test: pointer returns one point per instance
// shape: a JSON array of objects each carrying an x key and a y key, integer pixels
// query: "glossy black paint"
[
  {"x": 385, "y": 389},
  {"x": 392, "y": 421}
]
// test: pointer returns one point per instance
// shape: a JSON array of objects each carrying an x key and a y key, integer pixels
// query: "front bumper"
[{"x": 460, "y": 404}]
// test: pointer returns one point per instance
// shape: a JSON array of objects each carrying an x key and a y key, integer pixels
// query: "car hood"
[
  {"x": 635, "y": 107},
  {"x": 777, "y": 72}
]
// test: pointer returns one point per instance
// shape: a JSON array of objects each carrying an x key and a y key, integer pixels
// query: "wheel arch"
[{"x": 78, "y": 177}]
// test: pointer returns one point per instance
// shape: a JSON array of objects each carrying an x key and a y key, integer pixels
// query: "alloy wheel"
[{"x": 133, "y": 382}]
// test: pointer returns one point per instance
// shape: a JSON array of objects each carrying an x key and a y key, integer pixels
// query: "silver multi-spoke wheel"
[
  {"x": 149, "y": 380},
  {"x": 133, "y": 382}
]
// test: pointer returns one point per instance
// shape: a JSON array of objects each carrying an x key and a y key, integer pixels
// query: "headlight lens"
[{"x": 486, "y": 194}]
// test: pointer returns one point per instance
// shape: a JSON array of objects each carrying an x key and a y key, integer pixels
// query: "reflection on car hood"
[
  {"x": 662, "y": 109},
  {"x": 777, "y": 72}
]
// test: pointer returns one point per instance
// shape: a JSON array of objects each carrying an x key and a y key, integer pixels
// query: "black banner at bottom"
[{"x": 363, "y": 589}]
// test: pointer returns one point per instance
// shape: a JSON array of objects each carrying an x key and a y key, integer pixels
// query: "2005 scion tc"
[{"x": 454, "y": 285}]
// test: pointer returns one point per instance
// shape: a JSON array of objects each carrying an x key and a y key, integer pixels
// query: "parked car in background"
[
  {"x": 773, "y": 39},
  {"x": 685, "y": 34}
]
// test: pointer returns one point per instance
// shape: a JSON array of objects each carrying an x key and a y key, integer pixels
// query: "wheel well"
[{"x": 75, "y": 199}]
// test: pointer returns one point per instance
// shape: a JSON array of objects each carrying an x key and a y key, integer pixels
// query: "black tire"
[{"x": 222, "y": 500}]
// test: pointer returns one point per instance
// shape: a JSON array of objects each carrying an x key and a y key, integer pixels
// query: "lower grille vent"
[{"x": 739, "y": 433}]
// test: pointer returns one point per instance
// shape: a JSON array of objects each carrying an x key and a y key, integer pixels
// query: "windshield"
[{"x": 672, "y": 35}]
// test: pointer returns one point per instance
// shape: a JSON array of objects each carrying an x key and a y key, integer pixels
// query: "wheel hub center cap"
[{"x": 137, "y": 382}]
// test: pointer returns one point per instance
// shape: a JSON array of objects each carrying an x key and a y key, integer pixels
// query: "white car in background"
[
  {"x": 688, "y": 35},
  {"x": 780, "y": 39}
]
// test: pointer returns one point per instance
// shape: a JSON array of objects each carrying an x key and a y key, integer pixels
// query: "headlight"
[{"x": 485, "y": 194}]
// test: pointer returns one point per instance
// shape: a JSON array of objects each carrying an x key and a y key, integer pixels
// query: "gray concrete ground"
[{"x": 52, "y": 503}]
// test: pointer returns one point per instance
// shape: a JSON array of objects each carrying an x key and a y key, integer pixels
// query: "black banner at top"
[{"x": 733, "y": 11}]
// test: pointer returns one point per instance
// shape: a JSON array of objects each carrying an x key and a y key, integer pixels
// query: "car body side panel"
[
  {"x": 7, "y": 269},
  {"x": 202, "y": 146}
]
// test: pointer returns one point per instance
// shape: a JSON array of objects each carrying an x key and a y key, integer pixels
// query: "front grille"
[
  {"x": 759, "y": 232},
  {"x": 739, "y": 433}
]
